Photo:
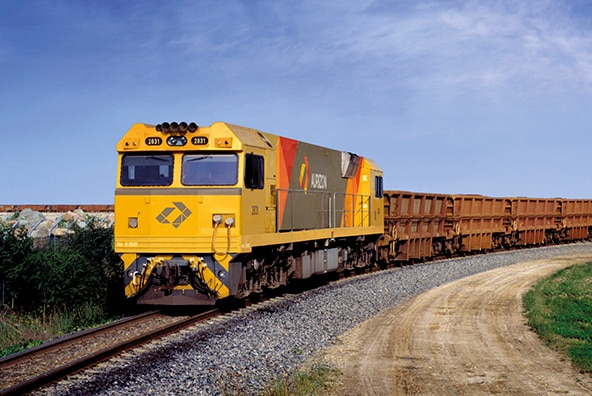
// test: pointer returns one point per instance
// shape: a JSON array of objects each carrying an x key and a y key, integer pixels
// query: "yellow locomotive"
[{"x": 205, "y": 213}]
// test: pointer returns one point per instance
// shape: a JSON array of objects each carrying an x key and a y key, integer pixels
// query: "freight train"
[{"x": 203, "y": 214}]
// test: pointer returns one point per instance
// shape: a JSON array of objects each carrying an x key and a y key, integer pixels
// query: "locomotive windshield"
[
  {"x": 209, "y": 170},
  {"x": 146, "y": 170}
]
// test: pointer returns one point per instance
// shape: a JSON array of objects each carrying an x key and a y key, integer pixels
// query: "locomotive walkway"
[{"x": 463, "y": 338}]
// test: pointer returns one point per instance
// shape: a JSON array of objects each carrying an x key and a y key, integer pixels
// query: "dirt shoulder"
[{"x": 468, "y": 337}]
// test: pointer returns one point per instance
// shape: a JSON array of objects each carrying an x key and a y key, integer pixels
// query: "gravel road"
[{"x": 467, "y": 337}]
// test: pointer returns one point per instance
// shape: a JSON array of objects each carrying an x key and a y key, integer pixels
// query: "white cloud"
[{"x": 491, "y": 45}]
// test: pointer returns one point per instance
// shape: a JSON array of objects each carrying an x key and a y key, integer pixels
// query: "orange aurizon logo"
[
  {"x": 179, "y": 212},
  {"x": 304, "y": 174}
]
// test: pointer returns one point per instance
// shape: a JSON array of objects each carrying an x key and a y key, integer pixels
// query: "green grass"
[
  {"x": 559, "y": 309},
  {"x": 315, "y": 380},
  {"x": 23, "y": 331}
]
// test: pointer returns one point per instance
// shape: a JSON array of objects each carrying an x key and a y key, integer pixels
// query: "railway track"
[{"x": 31, "y": 369}]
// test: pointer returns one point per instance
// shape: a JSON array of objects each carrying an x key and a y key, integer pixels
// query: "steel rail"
[
  {"x": 102, "y": 355},
  {"x": 58, "y": 342}
]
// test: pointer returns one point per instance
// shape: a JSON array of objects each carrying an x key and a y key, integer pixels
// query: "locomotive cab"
[{"x": 178, "y": 204}]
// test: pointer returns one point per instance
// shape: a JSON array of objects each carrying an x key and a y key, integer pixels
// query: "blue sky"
[{"x": 449, "y": 96}]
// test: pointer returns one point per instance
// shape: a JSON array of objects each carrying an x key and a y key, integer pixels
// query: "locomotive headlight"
[
  {"x": 217, "y": 218},
  {"x": 221, "y": 274},
  {"x": 182, "y": 127},
  {"x": 229, "y": 221},
  {"x": 132, "y": 222}
]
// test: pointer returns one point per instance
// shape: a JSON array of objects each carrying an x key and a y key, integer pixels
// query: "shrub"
[
  {"x": 86, "y": 271},
  {"x": 16, "y": 246}
]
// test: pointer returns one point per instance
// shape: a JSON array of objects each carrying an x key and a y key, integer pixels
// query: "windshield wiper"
[
  {"x": 158, "y": 158},
  {"x": 199, "y": 158}
]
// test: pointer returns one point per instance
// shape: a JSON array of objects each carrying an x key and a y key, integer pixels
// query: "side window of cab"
[
  {"x": 378, "y": 188},
  {"x": 254, "y": 171}
]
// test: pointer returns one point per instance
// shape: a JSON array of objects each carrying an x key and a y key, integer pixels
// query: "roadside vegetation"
[
  {"x": 58, "y": 289},
  {"x": 316, "y": 380},
  {"x": 559, "y": 309}
]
